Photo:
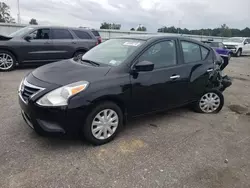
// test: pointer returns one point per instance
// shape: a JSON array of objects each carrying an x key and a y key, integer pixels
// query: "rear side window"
[
  {"x": 193, "y": 52},
  {"x": 61, "y": 34},
  {"x": 96, "y": 33},
  {"x": 82, "y": 34},
  {"x": 204, "y": 52}
]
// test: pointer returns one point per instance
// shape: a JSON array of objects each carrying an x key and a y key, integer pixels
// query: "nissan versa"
[{"x": 119, "y": 79}]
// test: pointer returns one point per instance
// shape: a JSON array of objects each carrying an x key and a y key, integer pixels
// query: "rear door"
[
  {"x": 39, "y": 48},
  {"x": 64, "y": 45},
  {"x": 198, "y": 63}
]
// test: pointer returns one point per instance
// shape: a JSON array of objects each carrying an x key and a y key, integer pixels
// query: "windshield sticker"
[{"x": 131, "y": 43}]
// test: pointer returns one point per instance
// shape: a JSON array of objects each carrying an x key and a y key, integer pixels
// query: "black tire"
[
  {"x": 196, "y": 105},
  {"x": 238, "y": 53},
  {"x": 87, "y": 133},
  {"x": 77, "y": 56},
  {"x": 13, "y": 58}
]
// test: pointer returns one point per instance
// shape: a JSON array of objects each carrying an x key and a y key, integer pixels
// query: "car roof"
[
  {"x": 57, "y": 27},
  {"x": 157, "y": 37}
]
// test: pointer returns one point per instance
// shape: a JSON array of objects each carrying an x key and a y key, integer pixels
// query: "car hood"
[
  {"x": 4, "y": 38},
  {"x": 68, "y": 71},
  {"x": 231, "y": 43}
]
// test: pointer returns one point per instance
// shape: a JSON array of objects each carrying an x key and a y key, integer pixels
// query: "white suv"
[{"x": 238, "y": 45}]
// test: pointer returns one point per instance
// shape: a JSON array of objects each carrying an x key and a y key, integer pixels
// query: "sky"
[{"x": 153, "y": 14}]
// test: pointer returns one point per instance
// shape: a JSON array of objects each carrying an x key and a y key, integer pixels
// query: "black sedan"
[{"x": 116, "y": 80}]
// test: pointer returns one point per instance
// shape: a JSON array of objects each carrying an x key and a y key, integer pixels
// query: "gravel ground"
[{"x": 179, "y": 148}]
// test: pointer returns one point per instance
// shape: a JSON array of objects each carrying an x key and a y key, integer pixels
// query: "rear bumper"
[{"x": 226, "y": 82}]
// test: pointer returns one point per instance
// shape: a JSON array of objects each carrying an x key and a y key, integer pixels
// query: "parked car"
[
  {"x": 220, "y": 49},
  {"x": 238, "y": 45},
  {"x": 43, "y": 44},
  {"x": 121, "y": 78}
]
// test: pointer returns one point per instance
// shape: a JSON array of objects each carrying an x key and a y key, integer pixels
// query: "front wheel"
[
  {"x": 211, "y": 101},
  {"x": 103, "y": 123},
  {"x": 239, "y": 53}
]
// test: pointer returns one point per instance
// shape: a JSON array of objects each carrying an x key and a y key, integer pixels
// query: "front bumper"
[
  {"x": 234, "y": 51},
  {"x": 50, "y": 120}
]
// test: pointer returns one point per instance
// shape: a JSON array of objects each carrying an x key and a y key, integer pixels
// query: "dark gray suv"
[{"x": 44, "y": 44}]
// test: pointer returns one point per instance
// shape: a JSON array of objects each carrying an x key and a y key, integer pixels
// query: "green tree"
[
  {"x": 141, "y": 28},
  {"x": 33, "y": 22},
  {"x": 132, "y": 29},
  {"x": 106, "y": 25},
  {"x": 5, "y": 13},
  {"x": 225, "y": 31}
]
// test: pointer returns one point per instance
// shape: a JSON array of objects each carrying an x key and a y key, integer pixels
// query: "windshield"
[
  {"x": 234, "y": 39},
  {"x": 112, "y": 52},
  {"x": 21, "y": 32}
]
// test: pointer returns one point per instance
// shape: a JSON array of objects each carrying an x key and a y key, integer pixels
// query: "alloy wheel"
[
  {"x": 104, "y": 124},
  {"x": 209, "y": 102},
  {"x": 6, "y": 61}
]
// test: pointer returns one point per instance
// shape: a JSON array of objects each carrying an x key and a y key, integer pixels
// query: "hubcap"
[
  {"x": 6, "y": 61},
  {"x": 104, "y": 124},
  {"x": 209, "y": 102}
]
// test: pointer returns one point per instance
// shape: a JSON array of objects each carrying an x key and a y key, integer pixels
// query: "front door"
[
  {"x": 164, "y": 87},
  {"x": 39, "y": 48},
  {"x": 247, "y": 46}
]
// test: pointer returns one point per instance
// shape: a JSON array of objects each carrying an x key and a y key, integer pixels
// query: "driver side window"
[
  {"x": 40, "y": 34},
  {"x": 162, "y": 54}
]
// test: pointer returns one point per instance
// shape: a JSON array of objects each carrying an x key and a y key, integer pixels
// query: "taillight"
[{"x": 99, "y": 40}]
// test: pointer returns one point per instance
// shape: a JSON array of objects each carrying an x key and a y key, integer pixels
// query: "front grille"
[
  {"x": 28, "y": 90},
  {"x": 230, "y": 46}
]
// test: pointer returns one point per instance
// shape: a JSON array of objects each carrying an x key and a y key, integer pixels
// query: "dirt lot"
[{"x": 179, "y": 148}]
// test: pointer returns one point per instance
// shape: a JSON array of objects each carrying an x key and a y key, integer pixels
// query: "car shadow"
[{"x": 134, "y": 124}]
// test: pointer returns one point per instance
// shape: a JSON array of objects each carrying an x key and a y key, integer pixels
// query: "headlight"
[
  {"x": 20, "y": 86},
  {"x": 60, "y": 96}
]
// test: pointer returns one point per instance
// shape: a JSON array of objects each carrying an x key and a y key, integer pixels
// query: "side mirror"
[
  {"x": 245, "y": 42},
  {"x": 144, "y": 66},
  {"x": 27, "y": 38}
]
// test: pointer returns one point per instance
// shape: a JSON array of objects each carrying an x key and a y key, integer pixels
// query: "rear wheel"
[
  {"x": 78, "y": 55},
  {"x": 7, "y": 61},
  {"x": 103, "y": 123},
  {"x": 211, "y": 101}
]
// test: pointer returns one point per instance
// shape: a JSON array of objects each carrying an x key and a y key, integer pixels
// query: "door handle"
[
  {"x": 210, "y": 70},
  {"x": 73, "y": 42},
  {"x": 174, "y": 77}
]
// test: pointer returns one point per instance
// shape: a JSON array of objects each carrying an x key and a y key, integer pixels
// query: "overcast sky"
[{"x": 194, "y": 14}]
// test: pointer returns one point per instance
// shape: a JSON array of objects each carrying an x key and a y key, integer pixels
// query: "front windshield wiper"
[{"x": 90, "y": 62}]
